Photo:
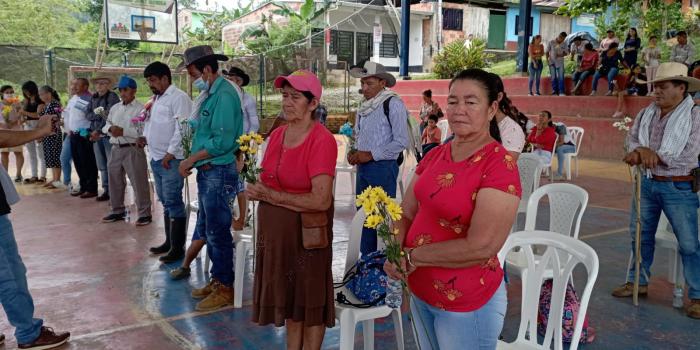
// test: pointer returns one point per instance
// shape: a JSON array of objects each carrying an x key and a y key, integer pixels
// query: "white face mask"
[{"x": 7, "y": 96}]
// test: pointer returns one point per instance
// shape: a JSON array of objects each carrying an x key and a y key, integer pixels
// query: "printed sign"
[{"x": 142, "y": 20}]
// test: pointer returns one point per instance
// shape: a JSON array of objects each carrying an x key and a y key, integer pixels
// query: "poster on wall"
[{"x": 142, "y": 20}]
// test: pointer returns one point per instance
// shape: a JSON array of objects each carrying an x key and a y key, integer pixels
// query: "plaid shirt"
[{"x": 672, "y": 166}]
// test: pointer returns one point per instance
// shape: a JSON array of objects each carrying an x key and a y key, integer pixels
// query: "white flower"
[
  {"x": 99, "y": 111},
  {"x": 627, "y": 120}
]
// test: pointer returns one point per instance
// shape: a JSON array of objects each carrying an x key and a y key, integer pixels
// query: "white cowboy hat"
[
  {"x": 674, "y": 71},
  {"x": 373, "y": 69}
]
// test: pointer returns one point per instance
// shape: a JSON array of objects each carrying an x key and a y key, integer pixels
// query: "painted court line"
[{"x": 604, "y": 233}]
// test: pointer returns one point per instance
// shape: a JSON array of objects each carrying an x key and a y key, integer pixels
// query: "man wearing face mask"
[
  {"x": 162, "y": 134},
  {"x": 217, "y": 126},
  {"x": 381, "y": 137}
]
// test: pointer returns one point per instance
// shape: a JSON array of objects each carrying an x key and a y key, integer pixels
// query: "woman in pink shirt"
[
  {"x": 543, "y": 136},
  {"x": 589, "y": 63},
  {"x": 293, "y": 280},
  {"x": 449, "y": 234}
]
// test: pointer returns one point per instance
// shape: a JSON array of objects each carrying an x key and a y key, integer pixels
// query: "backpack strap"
[{"x": 386, "y": 109}]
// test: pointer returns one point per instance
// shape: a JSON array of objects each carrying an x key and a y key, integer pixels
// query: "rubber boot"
[
  {"x": 165, "y": 247},
  {"x": 178, "y": 235}
]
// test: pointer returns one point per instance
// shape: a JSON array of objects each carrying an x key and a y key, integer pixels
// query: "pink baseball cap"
[{"x": 301, "y": 80}]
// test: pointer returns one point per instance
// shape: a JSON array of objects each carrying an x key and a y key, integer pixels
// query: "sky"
[{"x": 212, "y": 5}]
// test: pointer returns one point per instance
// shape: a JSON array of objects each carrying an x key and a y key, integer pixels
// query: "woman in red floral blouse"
[{"x": 458, "y": 211}]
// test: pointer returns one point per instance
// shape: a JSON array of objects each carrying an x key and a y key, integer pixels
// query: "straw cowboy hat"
[
  {"x": 196, "y": 53},
  {"x": 102, "y": 77},
  {"x": 674, "y": 71},
  {"x": 373, "y": 69}
]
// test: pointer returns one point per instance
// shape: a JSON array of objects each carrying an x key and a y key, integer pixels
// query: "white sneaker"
[
  {"x": 59, "y": 184},
  {"x": 562, "y": 94}
]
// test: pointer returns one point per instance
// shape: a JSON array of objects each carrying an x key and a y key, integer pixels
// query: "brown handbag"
[{"x": 314, "y": 230}]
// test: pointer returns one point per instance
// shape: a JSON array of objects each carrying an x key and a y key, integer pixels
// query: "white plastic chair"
[
  {"x": 444, "y": 127},
  {"x": 548, "y": 165},
  {"x": 345, "y": 167},
  {"x": 567, "y": 203},
  {"x": 576, "y": 134},
  {"x": 666, "y": 239},
  {"x": 405, "y": 181},
  {"x": 530, "y": 168},
  {"x": 561, "y": 255},
  {"x": 349, "y": 316}
]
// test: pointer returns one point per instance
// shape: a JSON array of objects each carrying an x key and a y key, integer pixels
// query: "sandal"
[
  {"x": 18, "y": 179},
  {"x": 41, "y": 179},
  {"x": 31, "y": 180}
]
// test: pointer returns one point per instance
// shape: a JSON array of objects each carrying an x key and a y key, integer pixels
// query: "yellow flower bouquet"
[
  {"x": 382, "y": 212},
  {"x": 249, "y": 145}
]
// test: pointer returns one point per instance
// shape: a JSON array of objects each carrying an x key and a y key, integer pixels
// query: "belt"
[
  {"x": 685, "y": 178},
  {"x": 126, "y": 145},
  {"x": 204, "y": 167}
]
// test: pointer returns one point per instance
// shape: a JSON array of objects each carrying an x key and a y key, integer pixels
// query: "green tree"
[{"x": 47, "y": 23}]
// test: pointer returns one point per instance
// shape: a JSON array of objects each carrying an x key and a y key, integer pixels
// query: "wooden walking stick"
[{"x": 637, "y": 234}]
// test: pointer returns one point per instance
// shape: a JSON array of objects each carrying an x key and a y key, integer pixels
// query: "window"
[
  {"x": 517, "y": 24},
  {"x": 389, "y": 46},
  {"x": 451, "y": 19},
  {"x": 318, "y": 40}
]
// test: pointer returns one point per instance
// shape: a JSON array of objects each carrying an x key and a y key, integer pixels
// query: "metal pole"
[
  {"x": 405, "y": 30},
  {"x": 524, "y": 34},
  {"x": 261, "y": 83}
]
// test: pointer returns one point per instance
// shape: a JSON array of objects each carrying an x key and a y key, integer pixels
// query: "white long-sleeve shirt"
[
  {"x": 161, "y": 129},
  {"x": 120, "y": 115}
]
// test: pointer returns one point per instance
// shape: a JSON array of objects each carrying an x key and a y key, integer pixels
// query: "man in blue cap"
[{"x": 127, "y": 157}]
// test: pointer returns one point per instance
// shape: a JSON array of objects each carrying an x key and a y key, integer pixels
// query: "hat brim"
[
  {"x": 243, "y": 76},
  {"x": 109, "y": 80},
  {"x": 184, "y": 64},
  {"x": 693, "y": 83},
  {"x": 360, "y": 73},
  {"x": 279, "y": 83}
]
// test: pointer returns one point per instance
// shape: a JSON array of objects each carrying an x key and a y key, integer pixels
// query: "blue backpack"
[{"x": 366, "y": 280}]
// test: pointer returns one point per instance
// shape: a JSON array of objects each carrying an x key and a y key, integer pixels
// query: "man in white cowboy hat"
[
  {"x": 665, "y": 141},
  {"x": 381, "y": 135},
  {"x": 217, "y": 127},
  {"x": 106, "y": 98}
]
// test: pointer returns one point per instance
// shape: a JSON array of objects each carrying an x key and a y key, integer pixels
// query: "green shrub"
[{"x": 455, "y": 58}]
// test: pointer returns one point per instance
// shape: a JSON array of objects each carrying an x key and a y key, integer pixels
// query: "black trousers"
[{"x": 84, "y": 161}]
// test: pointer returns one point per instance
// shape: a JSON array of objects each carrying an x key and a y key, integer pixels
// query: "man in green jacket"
[{"x": 216, "y": 127}]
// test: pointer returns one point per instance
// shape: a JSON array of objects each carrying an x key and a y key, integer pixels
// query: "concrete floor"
[{"x": 98, "y": 281}]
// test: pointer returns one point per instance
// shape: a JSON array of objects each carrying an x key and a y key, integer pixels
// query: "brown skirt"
[{"x": 291, "y": 282}]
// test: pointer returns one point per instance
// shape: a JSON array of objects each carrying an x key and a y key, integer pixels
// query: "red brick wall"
[{"x": 449, "y": 36}]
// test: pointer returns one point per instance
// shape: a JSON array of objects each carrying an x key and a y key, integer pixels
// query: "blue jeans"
[
  {"x": 381, "y": 173},
  {"x": 611, "y": 78},
  {"x": 680, "y": 205},
  {"x": 581, "y": 76},
  {"x": 216, "y": 186},
  {"x": 561, "y": 151},
  {"x": 447, "y": 330},
  {"x": 169, "y": 185},
  {"x": 66, "y": 158},
  {"x": 534, "y": 75},
  {"x": 103, "y": 151},
  {"x": 14, "y": 292},
  {"x": 557, "y": 74}
]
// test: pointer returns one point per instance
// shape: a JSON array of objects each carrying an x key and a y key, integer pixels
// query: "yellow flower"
[
  {"x": 395, "y": 232},
  {"x": 258, "y": 139},
  {"x": 369, "y": 207},
  {"x": 243, "y": 148},
  {"x": 394, "y": 211},
  {"x": 252, "y": 150},
  {"x": 373, "y": 221}
]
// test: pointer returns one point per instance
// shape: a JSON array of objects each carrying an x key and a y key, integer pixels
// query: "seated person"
[
  {"x": 634, "y": 87},
  {"x": 589, "y": 62},
  {"x": 542, "y": 137},
  {"x": 609, "y": 63},
  {"x": 431, "y": 135}
]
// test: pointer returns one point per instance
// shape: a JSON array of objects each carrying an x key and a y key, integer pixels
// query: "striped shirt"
[
  {"x": 375, "y": 135},
  {"x": 672, "y": 166}
]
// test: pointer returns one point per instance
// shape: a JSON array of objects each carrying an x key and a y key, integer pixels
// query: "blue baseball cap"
[{"x": 126, "y": 82}]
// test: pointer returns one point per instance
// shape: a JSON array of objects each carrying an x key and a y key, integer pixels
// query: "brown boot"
[
  {"x": 48, "y": 339},
  {"x": 201, "y": 293},
  {"x": 220, "y": 297},
  {"x": 693, "y": 311},
  {"x": 626, "y": 290}
]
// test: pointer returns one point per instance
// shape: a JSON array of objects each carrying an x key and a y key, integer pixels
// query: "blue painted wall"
[
  {"x": 583, "y": 23},
  {"x": 576, "y": 24},
  {"x": 510, "y": 23}
]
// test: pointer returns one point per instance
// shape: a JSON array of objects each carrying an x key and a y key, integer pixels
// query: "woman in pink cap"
[{"x": 293, "y": 280}]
